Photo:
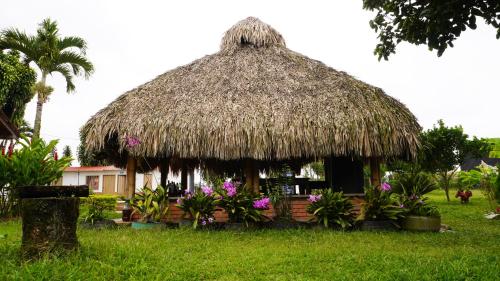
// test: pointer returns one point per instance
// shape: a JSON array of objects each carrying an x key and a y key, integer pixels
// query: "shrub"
[
  {"x": 200, "y": 206},
  {"x": 380, "y": 204},
  {"x": 238, "y": 202},
  {"x": 107, "y": 201},
  {"x": 331, "y": 208},
  {"x": 151, "y": 205}
]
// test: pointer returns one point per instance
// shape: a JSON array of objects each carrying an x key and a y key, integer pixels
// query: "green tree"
[
  {"x": 89, "y": 159},
  {"x": 67, "y": 152},
  {"x": 436, "y": 23},
  {"x": 16, "y": 82},
  {"x": 51, "y": 54},
  {"x": 445, "y": 148}
]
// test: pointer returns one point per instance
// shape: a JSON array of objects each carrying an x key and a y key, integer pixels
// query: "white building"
[{"x": 113, "y": 180}]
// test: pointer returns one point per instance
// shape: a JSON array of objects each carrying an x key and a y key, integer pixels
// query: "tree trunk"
[{"x": 39, "y": 107}]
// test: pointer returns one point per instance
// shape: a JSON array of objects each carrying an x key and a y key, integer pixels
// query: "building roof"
[
  {"x": 470, "y": 164},
  {"x": 257, "y": 99},
  {"x": 92, "y": 169}
]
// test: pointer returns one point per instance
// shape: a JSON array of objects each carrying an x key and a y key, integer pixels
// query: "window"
[{"x": 93, "y": 182}]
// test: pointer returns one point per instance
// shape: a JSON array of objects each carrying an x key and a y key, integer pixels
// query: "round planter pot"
[
  {"x": 378, "y": 225},
  {"x": 418, "y": 223},
  {"x": 149, "y": 225}
]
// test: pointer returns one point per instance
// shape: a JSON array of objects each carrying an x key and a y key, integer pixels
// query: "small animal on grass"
[{"x": 464, "y": 195}]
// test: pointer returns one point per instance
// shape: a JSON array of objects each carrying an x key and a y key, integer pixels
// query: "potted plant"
[
  {"x": 49, "y": 213},
  {"x": 331, "y": 209},
  {"x": 151, "y": 205},
  {"x": 380, "y": 210},
  {"x": 418, "y": 214},
  {"x": 241, "y": 206},
  {"x": 199, "y": 207}
]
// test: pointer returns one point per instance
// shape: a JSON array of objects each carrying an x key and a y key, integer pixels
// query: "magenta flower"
[
  {"x": 132, "y": 141},
  {"x": 230, "y": 188},
  {"x": 401, "y": 206},
  {"x": 385, "y": 187},
  {"x": 262, "y": 204},
  {"x": 314, "y": 198},
  {"x": 179, "y": 201},
  {"x": 210, "y": 220},
  {"x": 207, "y": 190}
]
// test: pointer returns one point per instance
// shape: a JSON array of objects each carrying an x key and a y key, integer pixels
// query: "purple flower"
[
  {"x": 413, "y": 197},
  {"x": 421, "y": 202},
  {"x": 262, "y": 204},
  {"x": 179, "y": 201},
  {"x": 132, "y": 141},
  {"x": 210, "y": 220},
  {"x": 230, "y": 188},
  {"x": 207, "y": 190},
  {"x": 401, "y": 206},
  {"x": 385, "y": 187},
  {"x": 203, "y": 222},
  {"x": 314, "y": 198}
]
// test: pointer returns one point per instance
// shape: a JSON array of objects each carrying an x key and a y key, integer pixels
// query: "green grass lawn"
[
  {"x": 470, "y": 252},
  {"x": 495, "y": 152}
]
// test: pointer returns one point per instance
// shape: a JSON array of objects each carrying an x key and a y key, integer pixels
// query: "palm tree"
[{"x": 51, "y": 54}]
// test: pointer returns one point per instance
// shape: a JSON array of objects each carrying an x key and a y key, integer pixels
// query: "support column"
[
  {"x": 327, "y": 162},
  {"x": 375, "y": 178},
  {"x": 131, "y": 172},
  {"x": 191, "y": 180},
  {"x": 251, "y": 175},
  {"x": 184, "y": 177},
  {"x": 164, "y": 172}
]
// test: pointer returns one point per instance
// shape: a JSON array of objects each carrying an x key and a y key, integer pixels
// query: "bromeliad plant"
[
  {"x": 411, "y": 186},
  {"x": 199, "y": 206},
  {"x": 331, "y": 209},
  {"x": 240, "y": 204},
  {"x": 380, "y": 205},
  {"x": 151, "y": 205}
]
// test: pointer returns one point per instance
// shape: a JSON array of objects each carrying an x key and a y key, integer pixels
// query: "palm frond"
[
  {"x": 78, "y": 62},
  {"x": 14, "y": 39},
  {"x": 72, "y": 42},
  {"x": 66, "y": 72}
]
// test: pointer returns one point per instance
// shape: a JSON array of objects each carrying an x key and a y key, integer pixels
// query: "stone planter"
[
  {"x": 419, "y": 223},
  {"x": 378, "y": 225},
  {"x": 49, "y": 218}
]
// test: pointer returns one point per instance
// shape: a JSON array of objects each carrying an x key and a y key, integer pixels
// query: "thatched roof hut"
[{"x": 255, "y": 99}]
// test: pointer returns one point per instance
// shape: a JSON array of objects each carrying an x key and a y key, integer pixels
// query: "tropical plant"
[
  {"x": 331, "y": 208},
  {"x": 95, "y": 210},
  {"x": 34, "y": 165},
  {"x": 238, "y": 203},
  {"x": 415, "y": 205},
  {"x": 379, "y": 204},
  {"x": 412, "y": 182},
  {"x": 51, "y": 54},
  {"x": 151, "y": 205},
  {"x": 199, "y": 206}
]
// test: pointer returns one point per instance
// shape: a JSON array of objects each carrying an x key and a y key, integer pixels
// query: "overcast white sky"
[{"x": 131, "y": 42}]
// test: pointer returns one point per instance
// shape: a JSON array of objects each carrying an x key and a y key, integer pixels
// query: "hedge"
[{"x": 107, "y": 201}]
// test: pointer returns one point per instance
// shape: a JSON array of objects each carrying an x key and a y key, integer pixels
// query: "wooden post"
[
  {"x": 190, "y": 180},
  {"x": 164, "y": 172},
  {"x": 131, "y": 172},
  {"x": 251, "y": 175},
  {"x": 184, "y": 178},
  {"x": 375, "y": 172},
  {"x": 328, "y": 165}
]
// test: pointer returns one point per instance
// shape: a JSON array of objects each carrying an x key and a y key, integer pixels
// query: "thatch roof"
[{"x": 254, "y": 99}]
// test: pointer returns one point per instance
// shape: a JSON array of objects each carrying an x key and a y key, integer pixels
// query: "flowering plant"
[
  {"x": 416, "y": 206},
  {"x": 380, "y": 204},
  {"x": 331, "y": 208},
  {"x": 411, "y": 187},
  {"x": 240, "y": 205},
  {"x": 200, "y": 206},
  {"x": 151, "y": 205}
]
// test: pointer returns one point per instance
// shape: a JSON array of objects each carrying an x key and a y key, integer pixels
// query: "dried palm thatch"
[{"x": 254, "y": 99}]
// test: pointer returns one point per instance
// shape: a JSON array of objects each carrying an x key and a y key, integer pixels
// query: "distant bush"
[{"x": 107, "y": 201}]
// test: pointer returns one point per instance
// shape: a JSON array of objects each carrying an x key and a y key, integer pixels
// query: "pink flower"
[
  {"x": 132, "y": 141},
  {"x": 207, "y": 190},
  {"x": 230, "y": 188},
  {"x": 385, "y": 187},
  {"x": 314, "y": 198},
  {"x": 179, "y": 201},
  {"x": 262, "y": 204}
]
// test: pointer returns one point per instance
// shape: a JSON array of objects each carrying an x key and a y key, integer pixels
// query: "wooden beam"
[
  {"x": 375, "y": 178},
  {"x": 131, "y": 172},
  {"x": 164, "y": 168},
  {"x": 251, "y": 172}
]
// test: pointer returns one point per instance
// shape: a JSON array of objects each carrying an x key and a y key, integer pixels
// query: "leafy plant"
[
  {"x": 34, "y": 165},
  {"x": 200, "y": 206},
  {"x": 95, "y": 210},
  {"x": 331, "y": 208},
  {"x": 238, "y": 202},
  {"x": 151, "y": 205},
  {"x": 412, "y": 182},
  {"x": 380, "y": 205}
]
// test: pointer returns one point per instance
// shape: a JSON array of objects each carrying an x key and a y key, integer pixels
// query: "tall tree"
[
  {"x": 436, "y": 23},
  {"x": 445, "y": 148},
  {"x": 16, "y": 82},
  {"x": 51, "y": 54},
  {"x": 89, "y": 159}
]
